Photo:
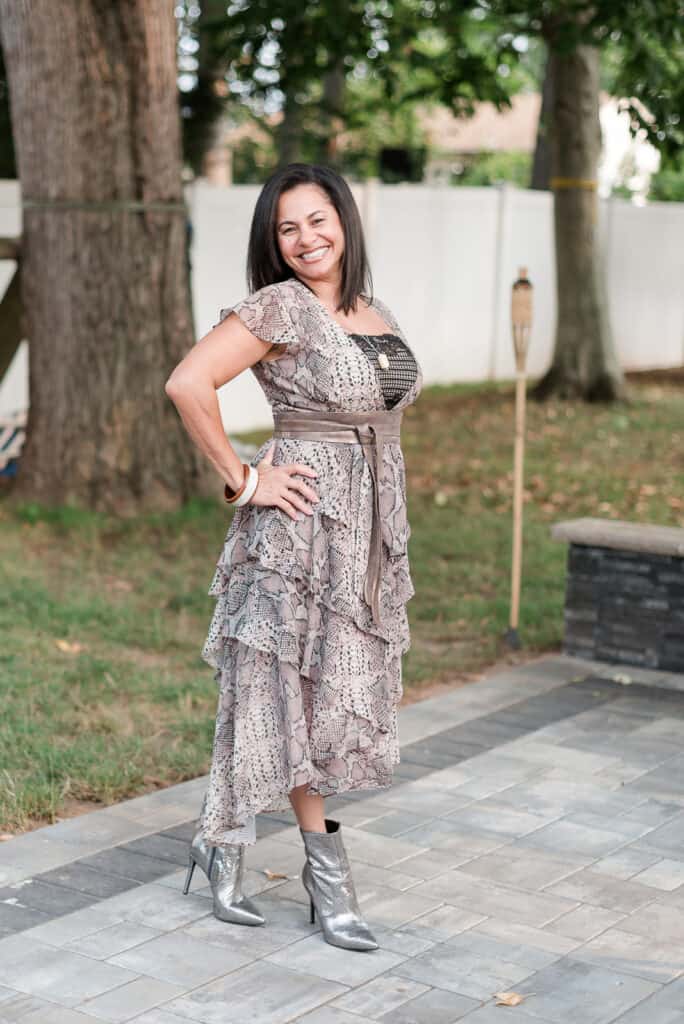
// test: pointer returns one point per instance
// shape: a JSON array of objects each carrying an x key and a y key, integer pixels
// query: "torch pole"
[{"x": 521, "y": 323}]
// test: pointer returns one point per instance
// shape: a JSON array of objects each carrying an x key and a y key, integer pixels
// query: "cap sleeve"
[{"x": 267, "y": 314}]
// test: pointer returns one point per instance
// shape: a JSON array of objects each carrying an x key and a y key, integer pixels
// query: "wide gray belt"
[{"x": 369, "y": 429}]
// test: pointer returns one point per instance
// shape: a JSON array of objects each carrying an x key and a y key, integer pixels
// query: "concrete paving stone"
[
  {"x": 643, "y": 753},
  {"x": 668, "y": 838},
  {"x": 498, "y": 948},
  {"x": 401, "y": 940},
  {"x": 440, "y": 831},
  {"x": 463, "y": 971},
  {"x": 380, "y": 996},
  {"x": 271, "y": 854},
  {"x": 584, "y": 923},
  {"x": 380, "y": 851},
  {"x": 15, "y": 917},
  {"x": 127, "y": 864},
  {"x": 17, "y": 1006},
  {"x": 394, "y": 879},
  {"x": 666, "y": 728},
  {"x": 626, "y": 863},
  {"x": 617, "y": 824},
  {"x": 443, "y": 923},
  {"x": 634, "y": 954},
  {"x": 394, "y": 910},
  {"x": 562, "y": 835},
  {"x": 573, "y": 991},
  {"x": 536, "y": 938},
  {"x": 160, "y": 847},
  {"x": 524, "y": 869},
  {"x": 433, "y": 802},
  {"x": 498, "y": 765},
  {"x": 409, "y": 772},
  {"x": 61, "y": 930},
  {"x": 555, "y": 755},
  {"x": 313, "y": 955},
  {"x": 491, "y": 1014},
  {"x": 332, "y": 1015},
  {"x": 433, "y": 1007},
  {"x": 30, "y": 854},
  {"x": 115, "y": 939},
  {"x": 653, "y": 812},
  {"x": 665, "y": 874},
  {"x": 159, "y": 1015},
  {"x": 286, "y": 922},
  {"x": 666, "y": 1006},
  {"x": 463, "y": 890},
  {"x": 394, "y": 823},
  {"x": 600, "y": 890},
  {"x": 159, "y": 907},
  {"x": 492, "y": 815},
  {"x": 662, "y": 918},
  {"x": 462, "y": 847},
  {"x": 87, "y": 880},
  {"x": 185, "y": 830},
  {"x": 666, "y": 782},
  {"x": 56, "y": 975},
  {"x": 42, "y": 896},
  {"x": 157, "y": 817},
  {"x": 357, "y": 814},
  {"x": 568, "y": 794},
  {"x": 129, "y": 1000},
  {"x": 484, "y": 786},
  {"x": 179, "y": 959},
  {"x": 261, "y": 993},
  {"x": 435, "y": 862},
  {"x": 429, "y": 757},
  {"x": 50, "y": 1013},
  {"x": 101, "y": 827}
]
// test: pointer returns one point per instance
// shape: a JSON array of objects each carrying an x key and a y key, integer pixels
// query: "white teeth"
[{"x": 315, "y": 255}]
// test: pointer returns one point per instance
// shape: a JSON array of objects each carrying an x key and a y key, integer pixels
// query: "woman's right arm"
[{"x": 218, "y": 357}]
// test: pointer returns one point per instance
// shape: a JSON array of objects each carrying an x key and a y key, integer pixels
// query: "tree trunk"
[
  {"x": 541, "y": 163},
  {"x": 584, "y": 362},
  {"x": 289, "y": 132},
  {"x": 332, "y": 111},
  {"x": 105, "y": 287}
]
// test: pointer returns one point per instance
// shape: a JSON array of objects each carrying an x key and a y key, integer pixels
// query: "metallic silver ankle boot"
[
  {"x": 224, "y": 867},
  {"x": 328, "y": 881}
]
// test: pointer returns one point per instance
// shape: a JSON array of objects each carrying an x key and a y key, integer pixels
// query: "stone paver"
[{"x": 533, "y": 840}]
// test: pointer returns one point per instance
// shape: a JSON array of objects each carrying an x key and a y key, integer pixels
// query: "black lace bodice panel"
[{"x": 400, "y": 373}]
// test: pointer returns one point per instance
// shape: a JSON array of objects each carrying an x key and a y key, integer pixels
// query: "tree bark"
[
  {"x": 584, "y": 363},
  {"x": 541, "y": 163},
  {"x": 105, "y": 288}
]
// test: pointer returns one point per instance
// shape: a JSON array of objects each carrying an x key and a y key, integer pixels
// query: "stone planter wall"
[{"x": 624, "y": 599}]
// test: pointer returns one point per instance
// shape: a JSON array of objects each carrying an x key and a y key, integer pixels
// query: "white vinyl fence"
[{"x": 444, "y": 260}]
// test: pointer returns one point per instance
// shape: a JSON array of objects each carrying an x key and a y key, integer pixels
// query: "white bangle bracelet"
[{"x": 250, "y": 487}]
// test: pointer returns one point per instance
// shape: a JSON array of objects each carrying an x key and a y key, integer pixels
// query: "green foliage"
[
  {"x": 668, "y": 184},
  {"x": 495, "y": 169}
]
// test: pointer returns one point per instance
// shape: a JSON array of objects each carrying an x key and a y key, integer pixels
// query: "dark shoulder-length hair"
[{"x": 265, "y": 265}]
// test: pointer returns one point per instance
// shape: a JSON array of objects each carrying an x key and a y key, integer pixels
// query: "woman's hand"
[{"x": 277, "y": 486}]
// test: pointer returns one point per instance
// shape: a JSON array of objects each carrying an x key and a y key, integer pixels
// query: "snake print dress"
[{"x": 308, "y": 684}]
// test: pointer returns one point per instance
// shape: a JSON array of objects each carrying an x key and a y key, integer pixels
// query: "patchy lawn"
[{"x": 102, "y": 620}]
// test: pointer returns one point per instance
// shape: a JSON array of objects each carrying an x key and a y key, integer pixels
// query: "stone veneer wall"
[{"x": 623, "y": 604}]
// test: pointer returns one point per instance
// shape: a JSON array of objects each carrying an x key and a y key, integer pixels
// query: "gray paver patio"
[{"x": 533, "y": 841}]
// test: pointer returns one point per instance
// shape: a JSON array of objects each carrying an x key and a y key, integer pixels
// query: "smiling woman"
[{"x": 310, "y": 621}]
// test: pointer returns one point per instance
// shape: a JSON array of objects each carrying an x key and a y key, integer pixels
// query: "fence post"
[{"x": 500, "y": 287}]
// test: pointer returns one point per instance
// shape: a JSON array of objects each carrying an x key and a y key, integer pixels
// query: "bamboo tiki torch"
[{"x": 521, "y": 323}]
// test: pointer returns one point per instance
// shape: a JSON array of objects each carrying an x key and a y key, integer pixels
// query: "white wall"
[{"x": 444, "y": 260}]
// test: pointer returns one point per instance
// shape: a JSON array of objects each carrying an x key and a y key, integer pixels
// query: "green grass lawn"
[{"x": 102, "y": 620}]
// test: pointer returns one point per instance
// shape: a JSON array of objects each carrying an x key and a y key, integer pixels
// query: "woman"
[{"x": 310, "y": 621}]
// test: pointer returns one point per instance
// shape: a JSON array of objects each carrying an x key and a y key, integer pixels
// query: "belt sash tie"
[{"x": 369, "y": 429}]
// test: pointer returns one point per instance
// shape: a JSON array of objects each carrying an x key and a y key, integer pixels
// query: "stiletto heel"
[
  {"x": 188, "y": 877},
  {"x": 328, "y": 881},
  {"x": 224, "y": 867}
]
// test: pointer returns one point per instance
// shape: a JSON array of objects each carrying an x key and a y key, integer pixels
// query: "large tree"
[
  {"x": 650, "y": 71},
  {"x": 104, "y": 268}
]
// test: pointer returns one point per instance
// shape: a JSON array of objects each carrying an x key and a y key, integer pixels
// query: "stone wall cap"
[{"x": 617, "y": 533}]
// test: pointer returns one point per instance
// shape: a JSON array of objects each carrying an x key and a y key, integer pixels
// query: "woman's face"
[{"x": 310, "y": 234}]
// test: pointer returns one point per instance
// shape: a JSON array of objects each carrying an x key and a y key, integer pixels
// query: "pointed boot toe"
[
  {"x": 328, "y": 881},
  {"x": 224, "y": 867}
]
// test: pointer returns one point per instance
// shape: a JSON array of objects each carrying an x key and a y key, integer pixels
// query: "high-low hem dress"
[{"x": 308, "y": 683}]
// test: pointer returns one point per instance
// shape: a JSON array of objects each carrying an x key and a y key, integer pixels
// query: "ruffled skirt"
[{"x": 308, "y": 684}]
